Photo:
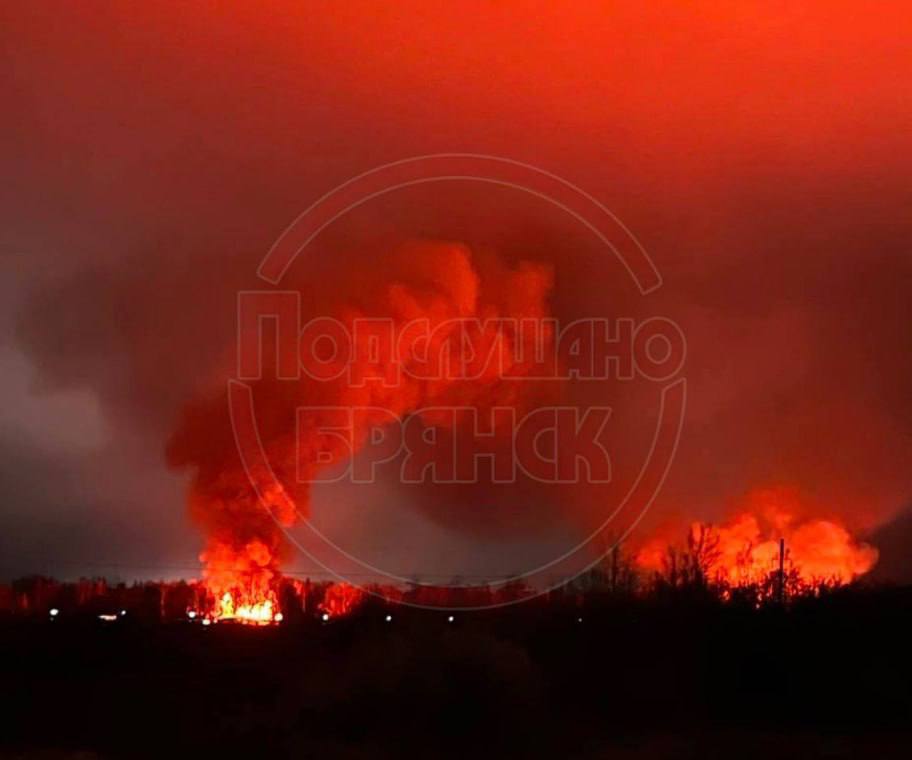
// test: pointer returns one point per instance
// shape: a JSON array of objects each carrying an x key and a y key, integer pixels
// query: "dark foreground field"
[{"x": 678, "y": 678}]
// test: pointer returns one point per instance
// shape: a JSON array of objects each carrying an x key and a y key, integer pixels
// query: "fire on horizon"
[{"x": 759, "y": 157}]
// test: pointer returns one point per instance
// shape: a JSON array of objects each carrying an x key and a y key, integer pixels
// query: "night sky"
[{"x": 151, "y": 155}]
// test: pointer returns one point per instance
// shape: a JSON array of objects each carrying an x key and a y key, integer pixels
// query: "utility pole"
[
  {"x": 780, "y": 591},
  {"x": 614, "y": 569}
]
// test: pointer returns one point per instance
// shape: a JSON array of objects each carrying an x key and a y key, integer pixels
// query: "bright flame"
[
  {"x": 438, "y": 288},
  {"x": 745, "y": 551},
  {"x": 257, "y": 613},
  {"x": 819, "y": 551},
  {"x": 241, "y": 581},
  {"x": 339, "y": 600}
]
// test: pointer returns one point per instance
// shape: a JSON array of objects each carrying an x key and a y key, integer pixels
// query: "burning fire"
[
  {"x": 243, "y": 504},
  {"x": 440, "y": 284},
  {"x": 340, "y": 599},
  {"x": 260, "y": 612},
  {"x": 819, "y": 550},
  {"x": 242, "y": 583},
  {"x": 745, "y": 551}
]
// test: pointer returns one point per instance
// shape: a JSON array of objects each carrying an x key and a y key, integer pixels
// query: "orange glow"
[
  {"x": 241, "y": 582},
  {"x": 744, "y": 551},
  {"x": 438, "y": 283},
  {"x": 340, "y": 599},
  {"x": 253, "y": 612},
  {"x": 819, "y": 550}
]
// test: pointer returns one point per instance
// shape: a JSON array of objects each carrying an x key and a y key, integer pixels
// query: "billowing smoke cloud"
[
  {"x": 762, "y": 160},
  {"x": 243, "y": 508}
]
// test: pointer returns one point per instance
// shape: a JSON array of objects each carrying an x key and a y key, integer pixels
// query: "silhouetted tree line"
[{"x": 689, "y": 571}]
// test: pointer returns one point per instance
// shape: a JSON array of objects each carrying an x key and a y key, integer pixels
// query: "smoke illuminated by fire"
[
  {"x": 439, "y": 283},
  {"x": 784, "y": 254},
  {"x": 253, "y": 612},
  {"x": 340, "y": 599},
  {"x": 241, "y": 582},
  {"x": 745, "y": 551}
]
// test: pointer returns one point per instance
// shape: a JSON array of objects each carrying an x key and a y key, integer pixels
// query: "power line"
[{"x": 291, "y": 572}]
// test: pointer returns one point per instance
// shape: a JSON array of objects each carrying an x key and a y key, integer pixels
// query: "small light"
[
  {"x": 579, "y": 620},
  {"x": 325, "y": 616},
  {"x": 123, "y": 613},
  {"x": 54, "y": 612},
  {"x": 450, "y": 619},
  {"x": 207, "y": 621},
  {"x": 278, "y": 617},
  {"x": 191, "y": 614},
  {"x": 389, "y": 618}
]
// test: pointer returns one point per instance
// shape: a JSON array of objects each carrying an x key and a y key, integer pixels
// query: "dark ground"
[{"x": 678, "y": 677}]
